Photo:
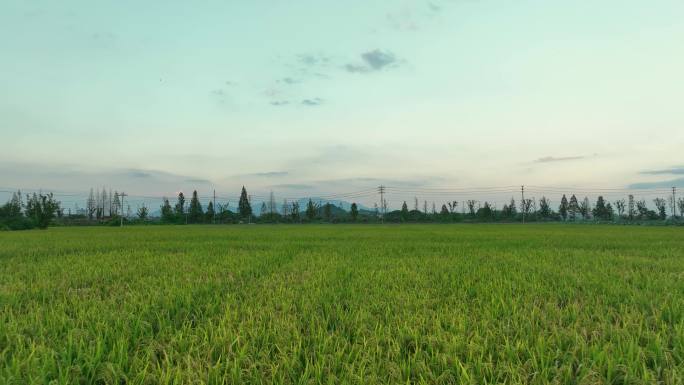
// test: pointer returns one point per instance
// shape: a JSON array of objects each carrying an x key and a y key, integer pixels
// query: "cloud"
[
  {"x": 139, "y": 174},
  {"x": 312, "y": 102},
  {"x": 353, "y": 68},
  {"x": 198, "y": 181},
  {"x": 375, "y": 60},
  {"x": 279, "y": 103},
  {"x": 288, "y": 81},
  {"x": 294, "y": 186},
  {"x": 679, "y": 182},
  {"x": 434, "y": 7},
  {"x": 269, "y": 174},
  {"x": 677, "y": 170},
  {"x": 550, "y": 159},
  {"x": 313, "y": 60},
  {"x": 77, "y": 177}
]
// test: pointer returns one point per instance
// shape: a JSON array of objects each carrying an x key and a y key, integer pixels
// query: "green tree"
[
  {"x": 486, "y": 213},
  {"x": 602, "y": 210},
  {"x": 294, "y": 212},
  {"x": 311, "y": 210},
  {"x": 143, "y": 212},
  {"x": 179, "y": 210},
  {"x": 404, "y": 212},
  {"x": 244, "y": 207},
  {"x": 327, "y": 211},
  {"x": 563, "y": 208},
  {"x": 167, "y": 214},
  {"x": 573, "y": 207},
  {"x": 661, "y": 206},
  {"x": 210, "y": 212},
  {"x": 545, "y": 208},
  {"x": 195, "y": 213},
  {"x": 354, "y": 212},
  {"x": 444, "y": 211},
  {"x": 41, "y": 209}
]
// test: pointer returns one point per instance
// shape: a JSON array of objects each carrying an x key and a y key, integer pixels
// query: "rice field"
[{"x": 335, "y": 304}]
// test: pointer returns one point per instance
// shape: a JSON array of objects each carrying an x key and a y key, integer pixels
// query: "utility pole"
[
  {"x": 214, "y": 214},
  {"x": 522, "y": 192},
  {"x": 674, "y": 202},
  {"x": 123, "y": 194},
  {"x": 381, "y": 190}
]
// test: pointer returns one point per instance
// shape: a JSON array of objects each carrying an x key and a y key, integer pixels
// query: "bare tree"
[
  {"x": 452, "y": 206},
  {"x": 286, "y": 208},
  {"x": 620, "y": 205},
  {"x": 631, "y": 210},
  {"x": 680, "y": 205},
  {"x": 661, "y": 206},
  {"x": 471, "y": 206},
  {"x": 271, "y": 204},
  {"x": 425, "y": 207},
  {"x": 91, "y": 204}
]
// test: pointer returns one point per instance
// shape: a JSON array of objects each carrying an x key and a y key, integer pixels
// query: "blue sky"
[{"x": 305, "y": 97}]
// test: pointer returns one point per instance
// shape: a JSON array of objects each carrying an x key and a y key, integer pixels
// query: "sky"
[{"x": 322, "y": 97}]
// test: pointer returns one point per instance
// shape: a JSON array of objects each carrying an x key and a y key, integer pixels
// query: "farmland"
[{"x": 432, "y": 304}]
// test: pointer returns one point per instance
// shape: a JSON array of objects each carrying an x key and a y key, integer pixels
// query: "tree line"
[
  {"x": 37, "y": 211},
  {"x": 106, "y": 207}
]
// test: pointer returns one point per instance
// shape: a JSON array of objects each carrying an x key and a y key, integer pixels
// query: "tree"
[
  {"x": 327, "y": 211},
  {"x": 41, "y": 209},
  {"x": 91, "y": 205},
  {"x": 680, "y": 205},
  {"x": 453, "y": 205},
  {"x": 271, "y": 204},
  {"x": 13, "y": 207},
  {"x": 563, "y": 208},
  {"x": 195, "y": 213},
  {"x": 167, "y": 212},
  {"x": 445, "y": 211},
  {"x": 311, "y": 210},
  {"x": 661, "y": 206},
  {"x": 294, "y": 213},
  {"x": 573, "y": 208},
  {"x": 545, "y": 208},
  {"x": 620, "y": 205},
  {"x": 585, "y": 208},
  {"x": 471, "y": 207},
  {"x": 631, "y": 212},
  {"x": 142, "y": 212},
  {"x": 244, "y": 207},
  {"x": 601, "y": 210},
  {"x": 180, "y": 205},
  {"x": 211, "y": 213},
  {"x": 526, "y": 206},
  {"x": 641, "y": 208},
  {"x": 263, "y": 212},
  {"x": 116, "y": 205},
  {"x": 354, "y": 212},
  {"x": 404, "y": 212},
  {"x": 485, "y": 212},
  {"x": 286, "y": 208}
]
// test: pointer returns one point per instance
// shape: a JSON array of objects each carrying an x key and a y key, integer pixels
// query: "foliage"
[
  {"x": 354, "y": 212},
  {"x": 244, "y": 207}
]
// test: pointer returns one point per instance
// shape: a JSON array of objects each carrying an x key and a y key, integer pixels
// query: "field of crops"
[{"x": 429, "y": 304}]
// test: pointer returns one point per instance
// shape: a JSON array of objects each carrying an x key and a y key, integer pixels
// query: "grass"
[{"x": 424, "y": 304}]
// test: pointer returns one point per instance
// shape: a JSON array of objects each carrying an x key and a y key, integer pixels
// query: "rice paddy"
[{"x": 338, "y": 304}]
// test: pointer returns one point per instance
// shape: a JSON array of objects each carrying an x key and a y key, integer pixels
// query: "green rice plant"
[{"x": 411, "y": 304}]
